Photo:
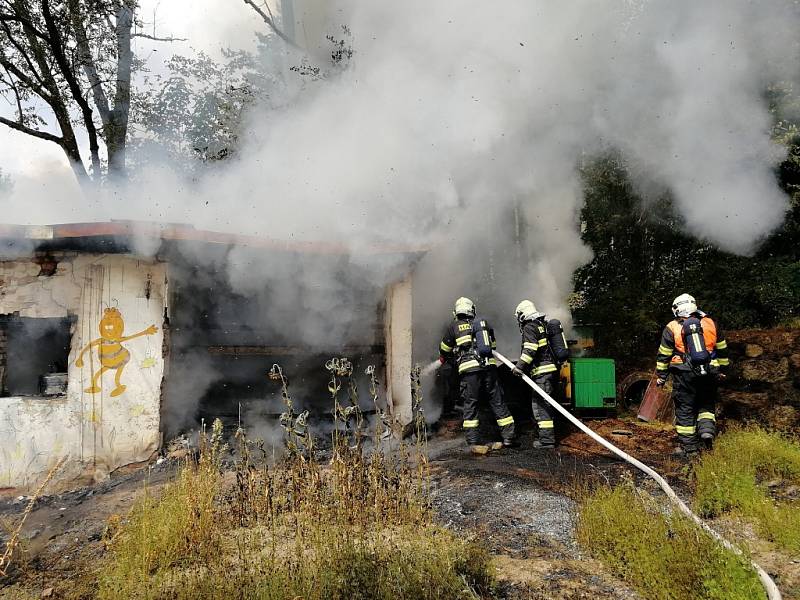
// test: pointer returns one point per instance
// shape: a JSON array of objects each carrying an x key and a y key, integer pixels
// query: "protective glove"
[
  {"x": 442, "y": 359},
  {"x": 661, "y": 382},
  {"x": 517, "y": 372},
  {"x": 721, "y": 377}
]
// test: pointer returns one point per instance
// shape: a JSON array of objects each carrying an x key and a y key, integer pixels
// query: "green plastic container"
[{"x": 594, "y": 383}]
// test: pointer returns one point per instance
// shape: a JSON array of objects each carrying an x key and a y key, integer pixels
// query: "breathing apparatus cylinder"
[
  {"x": 482, "y": 343},
  {"x": 557, "y": 340},
  {"x": 697, "y": 355}
]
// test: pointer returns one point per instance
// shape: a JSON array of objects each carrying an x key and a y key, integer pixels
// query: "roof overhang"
[{"x": 121, "y": 236}]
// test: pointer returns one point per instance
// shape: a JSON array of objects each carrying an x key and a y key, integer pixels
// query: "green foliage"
[
  {"x": 642, "y": 260},
  {"x": 731, "y": 478},
  {"x": 663, "y": 555},
  {"x": 196, "y": 113},
  {"x": 193, "y": 114}
]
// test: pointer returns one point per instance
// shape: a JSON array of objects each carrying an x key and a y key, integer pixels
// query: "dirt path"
[{"x": 65, "y": 530}]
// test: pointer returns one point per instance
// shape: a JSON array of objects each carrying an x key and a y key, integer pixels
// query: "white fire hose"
[{"x": 772, "y": 590}]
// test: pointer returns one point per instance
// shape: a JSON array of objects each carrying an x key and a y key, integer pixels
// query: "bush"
[
  {"x": 731, "y": 479},
  {"x": 664, "y": 555}
]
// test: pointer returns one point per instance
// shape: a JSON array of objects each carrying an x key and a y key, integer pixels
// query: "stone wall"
[{"x": 764, "y": 382}]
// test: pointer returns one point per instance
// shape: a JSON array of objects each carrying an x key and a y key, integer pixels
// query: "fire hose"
[{"x": 769, "y": 585}]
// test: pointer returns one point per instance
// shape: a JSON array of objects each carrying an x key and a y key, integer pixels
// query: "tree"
[
  {"x": 643, "y": 259},
  {"x": 71, "y": 61},
  {"x": 265, "y": 12},
  {"x": 193, "y": 113}
]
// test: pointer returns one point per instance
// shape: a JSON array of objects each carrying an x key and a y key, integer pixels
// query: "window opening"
[{"x": 34, "y": 354}]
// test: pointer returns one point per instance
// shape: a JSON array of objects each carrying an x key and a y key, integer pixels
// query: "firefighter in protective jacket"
[
  {"x": 477, "y": 374},
  {"x": 694, "y": 383},
  {"x": 536, "y": 360}
]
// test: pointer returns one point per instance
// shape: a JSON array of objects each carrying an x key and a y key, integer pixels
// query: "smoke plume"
[{"x": 460, "y": 127}]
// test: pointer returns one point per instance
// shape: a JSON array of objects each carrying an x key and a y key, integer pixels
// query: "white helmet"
[
  {"x": 526, "y": 311},
  {"x": 464, "y": 306},
  {"x": 684, "y": 305}
]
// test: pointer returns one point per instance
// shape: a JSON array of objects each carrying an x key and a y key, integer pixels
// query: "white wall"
[
  {"x": 398, "y": 351},
  {"x": 98, "y": 432}
]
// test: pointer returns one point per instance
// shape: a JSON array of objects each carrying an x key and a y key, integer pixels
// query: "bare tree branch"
[
  {"x": 42, "y": 135},
  {"x": 270, "y": 21},
  {"x": 10, "y": 83},
  {"x": 156, "y": 38}
]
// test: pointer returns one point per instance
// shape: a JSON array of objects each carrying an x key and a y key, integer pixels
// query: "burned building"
[{"x": 115, "y": 335}]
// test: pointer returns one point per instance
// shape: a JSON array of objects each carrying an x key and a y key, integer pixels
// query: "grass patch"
[
  {"x": 359, "y": 527},
  {"x": 732, "y": 479},
  {"x": 663, "y": 555}
]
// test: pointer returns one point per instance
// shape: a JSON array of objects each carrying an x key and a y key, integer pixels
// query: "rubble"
[
  {"x": 753, "y": 350},
  {"x": 763, "y": 385},
  {"x": 767, "y": 371}
]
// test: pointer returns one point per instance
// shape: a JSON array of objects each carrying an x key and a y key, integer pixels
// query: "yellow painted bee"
[{"x": 112, "y": 354}]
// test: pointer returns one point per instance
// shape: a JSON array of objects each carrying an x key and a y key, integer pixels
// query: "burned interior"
[
  {"x": 297, "y": 310},
  {"x": 33, "y": 355}
]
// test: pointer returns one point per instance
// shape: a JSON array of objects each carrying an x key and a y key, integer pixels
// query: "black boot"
[
  {"x": 543, "y": 444},
  {"x": 684, "y": 452}
]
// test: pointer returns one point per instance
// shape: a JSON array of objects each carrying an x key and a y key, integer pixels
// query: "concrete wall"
[
  {"x": 398, "y": 351},
  {"x": 99, "y": 429}
]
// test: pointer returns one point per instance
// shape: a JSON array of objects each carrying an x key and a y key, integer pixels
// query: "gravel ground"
[{"x": 517, "y": 503}]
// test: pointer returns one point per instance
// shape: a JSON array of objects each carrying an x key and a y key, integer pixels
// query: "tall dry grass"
[{"x": 358, "y": 525}]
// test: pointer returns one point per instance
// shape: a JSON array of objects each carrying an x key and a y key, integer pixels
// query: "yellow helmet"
[{"x": 464, "y": 306}]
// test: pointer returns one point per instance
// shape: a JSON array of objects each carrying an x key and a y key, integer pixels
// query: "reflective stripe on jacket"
[
  {"x": 535, "y": 357},
  {"x": 457, "y": 343}
]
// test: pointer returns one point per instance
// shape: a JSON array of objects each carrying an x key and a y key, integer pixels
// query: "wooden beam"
[{"x": 295, "y": 350}]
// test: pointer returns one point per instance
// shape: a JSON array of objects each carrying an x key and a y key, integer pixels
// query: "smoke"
[
  {"x": 191, "y": 374},
  {"x": 460, "y": 127}
]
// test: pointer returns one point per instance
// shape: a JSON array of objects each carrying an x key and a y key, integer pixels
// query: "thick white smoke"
[{"x": 460, "y": 126}]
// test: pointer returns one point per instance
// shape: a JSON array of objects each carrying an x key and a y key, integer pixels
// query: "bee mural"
[{"x": 112, "y": 354}]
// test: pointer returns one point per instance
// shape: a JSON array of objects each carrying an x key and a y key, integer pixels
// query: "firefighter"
[
  {"x": 536, "y": 360},
  {"x": 694, "y": 386},
  {"x": 477, "y": 371}
]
